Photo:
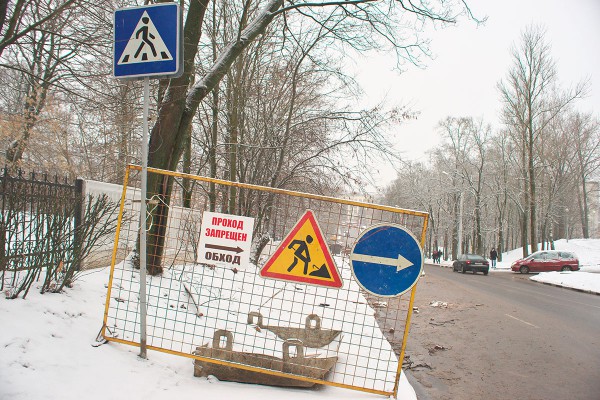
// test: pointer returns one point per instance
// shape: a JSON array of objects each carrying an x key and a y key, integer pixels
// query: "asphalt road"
[{"x": 502, "y": 336}]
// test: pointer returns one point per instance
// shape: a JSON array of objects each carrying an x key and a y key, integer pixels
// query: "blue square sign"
[{"x": 147, "y": 41}]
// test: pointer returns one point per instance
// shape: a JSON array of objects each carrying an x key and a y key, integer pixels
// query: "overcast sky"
[{"x": 470, "y": 60}]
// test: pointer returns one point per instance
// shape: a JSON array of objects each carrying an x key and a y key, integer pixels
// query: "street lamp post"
[
  {"x": 460, "y": 221},
  {"x": 567, "y": 215},
  {"x": 460, "y": 211}
]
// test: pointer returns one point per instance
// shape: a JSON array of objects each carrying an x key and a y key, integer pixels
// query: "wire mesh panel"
[{"x": 206, "y": 303}]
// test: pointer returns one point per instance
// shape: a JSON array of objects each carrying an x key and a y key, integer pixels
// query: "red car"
[{"x": 547, "y": 260}]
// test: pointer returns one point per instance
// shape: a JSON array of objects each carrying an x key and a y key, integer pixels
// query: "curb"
[
  {"x": 589, "y": 291},
  {"x": 567, "y": 287}
]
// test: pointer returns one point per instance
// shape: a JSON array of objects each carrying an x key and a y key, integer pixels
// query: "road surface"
[{"x": 501, "y": 336}]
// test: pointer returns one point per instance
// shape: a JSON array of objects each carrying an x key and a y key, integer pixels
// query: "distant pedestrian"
[
  {"x": 437, "y": 256},
  {"x": 493, "y": 257}
]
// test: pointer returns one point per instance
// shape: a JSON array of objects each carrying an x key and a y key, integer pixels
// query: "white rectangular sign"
[{"x": 225, "y": 239}]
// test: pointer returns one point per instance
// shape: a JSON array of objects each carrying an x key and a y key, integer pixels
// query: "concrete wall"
[{"x": 182, "y": 229}]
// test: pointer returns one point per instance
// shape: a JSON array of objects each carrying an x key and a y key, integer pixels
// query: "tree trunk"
[
  {"x": 500, "y": 245},
  {"x": 524, "y": 245},
  {"x": 187, "y": 184},
  {"x": 167, "y": 137},
  {"x": 446, "y": 244},
  {"x": 584, "y": 210},
  {"x": 35, "y": 101},
  {"x": 523, "y": 215},
  {"x": 179, "y": 107},
  {"x": 455, "y": 233},
  {"x": 478, "y": 236},
  {"x": 212, "y": 149},
  {"x": 532, "y": 200}
]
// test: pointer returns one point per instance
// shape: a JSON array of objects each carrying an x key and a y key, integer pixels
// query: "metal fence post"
[{"x": 78, "y": 217}]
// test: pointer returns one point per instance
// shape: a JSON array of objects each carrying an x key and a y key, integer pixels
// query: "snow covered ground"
[{"x": 47, "y": 353}]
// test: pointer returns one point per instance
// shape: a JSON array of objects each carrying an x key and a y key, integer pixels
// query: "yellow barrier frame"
[{"x": 424, "y": 215}]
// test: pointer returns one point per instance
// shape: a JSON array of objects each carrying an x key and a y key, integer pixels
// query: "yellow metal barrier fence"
[{"x": 220, "y": 307}]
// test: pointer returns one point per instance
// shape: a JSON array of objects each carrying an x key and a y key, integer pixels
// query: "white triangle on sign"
[{"x": 145, "y": 44}]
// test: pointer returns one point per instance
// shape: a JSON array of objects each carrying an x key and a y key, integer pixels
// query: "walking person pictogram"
[
  {"x": 300, "y": 253},
  {"x": 146, "y": 38}
]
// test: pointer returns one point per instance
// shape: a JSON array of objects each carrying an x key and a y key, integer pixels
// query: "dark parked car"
[
  {"x": 471, "y": 262},
  {"x": 547, "y": 260}
]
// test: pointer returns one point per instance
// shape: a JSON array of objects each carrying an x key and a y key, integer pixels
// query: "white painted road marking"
[{"x": 520, "y": 320}]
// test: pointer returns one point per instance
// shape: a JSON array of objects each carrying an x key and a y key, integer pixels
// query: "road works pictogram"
[{"x": 303, "y": 256}]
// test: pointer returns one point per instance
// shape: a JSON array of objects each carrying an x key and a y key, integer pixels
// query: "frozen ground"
[{"x": 47, "y": 353}]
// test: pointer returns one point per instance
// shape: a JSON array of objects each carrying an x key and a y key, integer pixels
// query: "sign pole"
[
  {"x": 143, "y": 216},
  {"x": 147, "y": 44}
]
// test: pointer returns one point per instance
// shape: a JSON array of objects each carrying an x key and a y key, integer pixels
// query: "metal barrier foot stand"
[{"x": 100, "y": 340}]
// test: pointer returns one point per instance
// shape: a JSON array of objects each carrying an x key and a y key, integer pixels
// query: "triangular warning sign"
[
  {"x": 145, "y": 44},
  {"x": 303, "y": 256}
]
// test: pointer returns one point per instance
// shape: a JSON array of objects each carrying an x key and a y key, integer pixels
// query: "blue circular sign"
[{"x": 386, "y": 260}]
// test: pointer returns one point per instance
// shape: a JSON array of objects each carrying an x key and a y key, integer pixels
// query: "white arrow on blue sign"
[
  {"x": 386, "y": 260},
  {"x": 147, "y": 41}
]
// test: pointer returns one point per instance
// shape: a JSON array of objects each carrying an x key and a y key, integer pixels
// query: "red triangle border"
[{"x": 337, "y": 280}]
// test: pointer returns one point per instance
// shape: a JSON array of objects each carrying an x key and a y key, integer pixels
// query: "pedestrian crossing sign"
[
  {"x": 147, "y": 41},
  {"x": 304, "y": 257}
]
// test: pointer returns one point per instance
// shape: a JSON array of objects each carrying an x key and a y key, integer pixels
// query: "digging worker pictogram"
[
  {"x": 146, "y": 38},
  {"x": 300, "y": 253}
]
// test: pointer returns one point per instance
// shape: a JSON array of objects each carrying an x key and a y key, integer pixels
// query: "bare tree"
[
  {"x": 456, "y": 132},
  {"x": 20, "y": 17},
  {"x": 555, "y": 150},
  {"x": 498, "y": 183},
  {"x": 362, "y": 24},
  {"x": 49, "y": 50},
  {"x": 474, "y": 176},
  {"x": 531, "y": 100},
  {"x": 585, "y": 133}
]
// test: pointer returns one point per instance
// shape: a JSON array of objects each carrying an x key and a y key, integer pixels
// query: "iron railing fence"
[{"x": 39, "y": 216}]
